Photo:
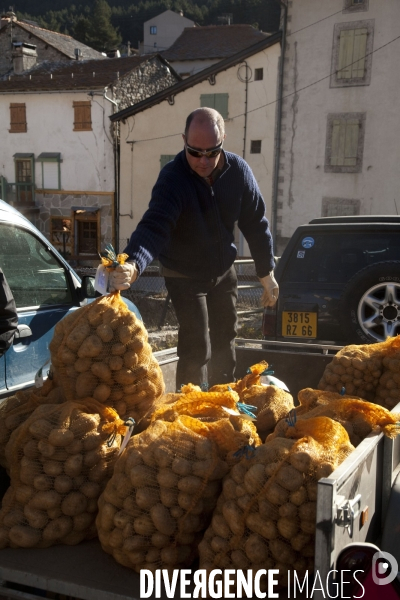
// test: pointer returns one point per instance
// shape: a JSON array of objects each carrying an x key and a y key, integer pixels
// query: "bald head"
[{"x": 206, "y": 117}]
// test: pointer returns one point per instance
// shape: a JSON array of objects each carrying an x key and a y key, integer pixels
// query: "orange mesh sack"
[
  {"x": 388, "y": 390},
  {"x": 358, "y": 369},
  {"x": 14, "y": 410},
  {"x": 253, "y": 377},
  {"x": 101, "y": 351},
  {"x": 265, "y": 517},
  {"x": 60, "y": 460},
  {"x": 272, "y": 404},
  {"x": 357, "y": 416},
  {"x": 156, "y": 507}
]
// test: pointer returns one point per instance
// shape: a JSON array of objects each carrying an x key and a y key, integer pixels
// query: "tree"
[{"x": 101, "y": 35}]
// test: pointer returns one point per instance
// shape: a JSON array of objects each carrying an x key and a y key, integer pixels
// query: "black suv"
[{"x": 339, "y": 280}]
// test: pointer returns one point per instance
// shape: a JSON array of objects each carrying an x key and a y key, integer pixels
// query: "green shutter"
[
  {"x": 337, "y": 125},
  {"x": 360, "y": 46},
  {"x": 217, "y": 101},
  {"x": 166, "y": 158},
  {"x": 351, "y": 143},
  {"x": 346, "y": 46}
]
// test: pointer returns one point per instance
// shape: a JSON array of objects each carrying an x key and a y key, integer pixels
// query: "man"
[
  {"x": 189, "y": 225},
  {"x": 8, "y": 315}
]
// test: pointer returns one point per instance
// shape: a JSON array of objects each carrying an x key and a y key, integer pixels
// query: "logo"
[
  {"x": 384, "y": 568},
  {"x": 307, "y": 242},
  {"x": 301, "y": 254}
]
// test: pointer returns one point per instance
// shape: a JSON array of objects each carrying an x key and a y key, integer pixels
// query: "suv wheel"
[{"x": 371, "y": 303}]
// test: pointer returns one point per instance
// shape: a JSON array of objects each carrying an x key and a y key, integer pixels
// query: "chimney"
[
  {"x": 78, "y": 53},
  {"x": 24, "y": 56},
  {"x": 128, "y": 48}
]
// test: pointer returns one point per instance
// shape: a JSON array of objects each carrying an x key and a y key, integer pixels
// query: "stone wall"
[
  {"x": 145, "y": 81},
  {"x": 59, "y": 204},
  {"x": 44, "y": 51}
]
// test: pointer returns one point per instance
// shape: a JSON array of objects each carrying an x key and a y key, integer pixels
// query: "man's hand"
[
  {"x": 271, "y": 290},
  {"x": 122, "y": 276}
]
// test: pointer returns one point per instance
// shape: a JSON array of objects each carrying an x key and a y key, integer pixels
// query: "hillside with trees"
[{"x": 107, "y": 25}]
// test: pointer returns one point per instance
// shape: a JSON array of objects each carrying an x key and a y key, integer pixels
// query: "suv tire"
[{"x": 370, "y": 305}]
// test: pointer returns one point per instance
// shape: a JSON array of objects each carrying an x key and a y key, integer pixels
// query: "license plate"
[{"x": 299, "y": 324}]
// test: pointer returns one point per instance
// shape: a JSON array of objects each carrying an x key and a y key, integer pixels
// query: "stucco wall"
[
  {"x": 87, "y": 156},
  {"x": 303, "y": 181},
  {"x": 169, "y": 27},
  {"x": 140, "y": 166}
]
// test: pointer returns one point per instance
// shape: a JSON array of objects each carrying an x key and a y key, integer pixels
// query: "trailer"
[{"x": 351, "y": 503}]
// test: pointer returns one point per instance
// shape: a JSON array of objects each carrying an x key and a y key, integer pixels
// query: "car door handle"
[{"x": 23, "y": 331}]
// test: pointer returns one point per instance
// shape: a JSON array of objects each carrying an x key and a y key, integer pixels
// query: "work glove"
[
  {"x": 122, "y": 277},
  {"x": 271, "y": 290}
]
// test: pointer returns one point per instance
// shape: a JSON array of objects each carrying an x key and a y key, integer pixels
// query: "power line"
[
  {"x": 291, "y": 93},
  {"x": 315, "y": 23}
]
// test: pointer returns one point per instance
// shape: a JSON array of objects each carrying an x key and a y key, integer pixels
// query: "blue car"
[{"x": 45, "y": 290}]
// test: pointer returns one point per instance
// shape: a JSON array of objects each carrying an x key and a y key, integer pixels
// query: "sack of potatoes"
[
  {"x": 157, "y": 505},
  {"x": 265, "y": 517},
  {"x": 15, "y": 409},
  {"x": 60, "y": 460},
  {"x": 101, "y": 351}
]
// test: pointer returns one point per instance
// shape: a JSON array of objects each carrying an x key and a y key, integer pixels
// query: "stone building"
[
  {"x": 59, "y": 156},
  {"x": 22, "y": 45}
]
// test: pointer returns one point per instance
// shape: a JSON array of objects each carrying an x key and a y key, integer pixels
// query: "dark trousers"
[{"x": 206, "y": 313}]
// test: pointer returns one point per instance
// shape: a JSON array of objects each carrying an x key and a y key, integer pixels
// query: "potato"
[
  {"x": 162, "y": 519},
  {"x": 181, "y": 466},
  {"x": 102, "y": 371},
  {"x": 302, "y": 461},
  {"x": 160, "y": 540},
  {"x": 105, "y": 519},
  {"x": 105, "y": 332},
  {"x": 238, "y": 472},
  {"x": 299, "y": 540},
  {"x": 43, "y": 482},
  {"x": 299, "y": 496},
  {"x": 166, "y": 478},
  {"x": 75, "y": 448},
  {"x": 233, "y": 516},
  {"x": 57, "y": 529},
  {"x": 37, "y": 519},
  {"x": 288, "y": 510},
  {"x": 143, "y": 525},
  {"x": 117, "y": 349},
  {"x": 92, "y": 440},
  {"x": 66, "y": 356},
  {"x": 308, "y": 511},
  {"x": 85, "y": 384},
  {"x": 229, "y": 488},
  {"x": 146, "y": 497},
  {"x": 52, "y": 468},
  {"x": 13, "y": 517},
  {"x": 275, "y": 493},
  {"x": 122, "y": 519},
  {"x": 73, "y": 465},
  {"x": 312, "y": 490},
  {"x": 191, "y": 524},
  {"x": 82, "y": 522},
  {"x": 92, "y": 457},
  {"x": 289, "y": 478},
  {"x": 210, "y": 469},
  {"x": 23, "y": 493},
  {"x": 63, "y": 484},
  {"x": 220, "y": 526},
  {"x": 219, "y": 544},
  {"x": 264, "y": 527},
  {"x": 31, "y": 449},
  {"x": 131, "y": 359},
  {"x": 176, "y": 555},
  {"x": 45, "y": 448},
  {"x": 308, "y": 527},
  {"x": 90, "y": 489},
  {"x": 190, "y": 484},
  {"x": 254, "y": 479},
  {"x": 82, "y": 365},
  {"x": 287, "y": 527},
  {"x": 61, "y": 437},
  {"x": 24, "y": 536},
  {"x": 74, "y": 504},
  {"x": 46, "y": 500},
  {"x": 39, "y": 428},
  {"x": 99, "y": 472},
  {"x": 77, "y": 336},
  {"x": 282, "y": 552},
  {"x": 102, "y": 392},
  {"x": 203, "y": 448},
  {"x": 91, "y": 347},
  {"x": 256, "y": 549}
]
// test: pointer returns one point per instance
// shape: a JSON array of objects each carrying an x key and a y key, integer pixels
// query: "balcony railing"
[{"x": 18, "y": 194}]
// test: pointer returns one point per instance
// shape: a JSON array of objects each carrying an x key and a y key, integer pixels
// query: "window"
[
  {"x": 217, "y": 101},
  {"x": 83, "y": 116},
  {"x": 153, "y": 29},
  {"x": 24, "y": 177},
  {"x": 166, "y": 158},
  {"x": 344, "y": 143},
  {"x": 50, "y": 175},
  {"x": 336, "y": 207},
  {"x": 60, "y": 234},
  {"x": 35, "y": 276},
  {"x": 352, "y": 53},
  {"x": 355, "y": 6},
  {"x": 17, "y": 118},
  {"x": 255, "y": 147},
  {"x": 258, "y": 74}
]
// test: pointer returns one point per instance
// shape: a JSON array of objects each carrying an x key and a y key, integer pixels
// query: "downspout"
[
  {"x": 278, "y": 124},
  {"x": 116, "y": 175},
  {"x": 245, "y": 80}
]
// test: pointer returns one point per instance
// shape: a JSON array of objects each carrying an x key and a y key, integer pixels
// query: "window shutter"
[
  {"x": 337, "y": 125},
  {"x": 221, "y": 104},
  {"x": 346, "y": 45},
  {"x": 207, "y": 100},
  {"x": 165, "y": 158},
  {"x": 17, "y": 118},
  {"x": 351, "y": 143},
  {"x": 360, "y": 45},
  {"x": 82, "y": 116}
]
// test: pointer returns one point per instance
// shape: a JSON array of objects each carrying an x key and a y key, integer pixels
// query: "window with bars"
[
  {"x": 82, "y": 115},
  {"x": 258, "y": 74},
  {"x": 60, "y": 234},
  {"x": 255, "y": 147},
  {"x": 18, "y": 122},
  {"x": 344, "y": 143},
  {"x": 217, "y": 101},
  {"x": 87, "y": 237},
  {"x": 337, "y": 207},
  {"x": 352, "y": 53}
]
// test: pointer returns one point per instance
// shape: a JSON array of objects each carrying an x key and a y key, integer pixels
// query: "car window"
[
  {"x": 335, "y": 258},
  {"x": 35, "y": 276}
]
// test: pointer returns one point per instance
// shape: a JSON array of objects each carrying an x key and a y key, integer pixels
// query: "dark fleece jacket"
[{"x": 189, "y": 225}]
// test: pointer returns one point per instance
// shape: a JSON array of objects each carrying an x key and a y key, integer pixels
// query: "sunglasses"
[{"x": 211, "y": 153}]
